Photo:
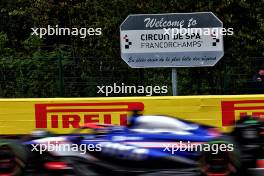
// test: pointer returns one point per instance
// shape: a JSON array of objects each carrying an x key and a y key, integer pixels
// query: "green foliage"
[{"x": 70, "y": 66}]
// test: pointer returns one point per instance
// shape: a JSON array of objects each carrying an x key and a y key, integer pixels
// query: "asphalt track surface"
[
  {"x": 180, "y": 172},
  {"x": 176, "y": 172},
  {"x": 183, "y": 172}
]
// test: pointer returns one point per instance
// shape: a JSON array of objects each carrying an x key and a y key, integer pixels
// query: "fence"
[{"x": 71, "y": 77}]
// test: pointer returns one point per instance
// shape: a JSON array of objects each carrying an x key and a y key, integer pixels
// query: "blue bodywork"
[{"x": 145, "y": 143}]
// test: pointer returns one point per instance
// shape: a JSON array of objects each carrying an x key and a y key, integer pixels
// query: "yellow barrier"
[{"x": 61, "y": 115}]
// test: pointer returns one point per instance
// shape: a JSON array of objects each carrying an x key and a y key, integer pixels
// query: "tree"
[{"x": 30, "y": 66}]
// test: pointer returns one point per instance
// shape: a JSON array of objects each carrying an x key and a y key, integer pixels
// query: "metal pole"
[{"x": 174, "y": 81}]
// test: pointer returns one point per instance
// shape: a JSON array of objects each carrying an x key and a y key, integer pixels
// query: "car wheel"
[
  {"x": 250, "y": 133},
  {"x": 224, "y": 162},
  {"x": 12, "y": 158}
]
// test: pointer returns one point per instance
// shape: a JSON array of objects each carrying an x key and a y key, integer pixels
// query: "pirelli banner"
[{"x": 62, "y": 115}]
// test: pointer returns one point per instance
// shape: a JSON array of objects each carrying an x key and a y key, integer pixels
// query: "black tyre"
[
  {"x": 224, "y": 161},
  {"x": 12, "y": 158}
]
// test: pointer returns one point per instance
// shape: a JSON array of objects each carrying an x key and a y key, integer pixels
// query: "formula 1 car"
[{"x": 149, "y": 144}]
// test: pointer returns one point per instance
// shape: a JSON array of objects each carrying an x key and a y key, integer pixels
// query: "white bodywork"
[{"x": 159, "y": 124}]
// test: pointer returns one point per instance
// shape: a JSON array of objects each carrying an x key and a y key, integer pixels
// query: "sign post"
[
  {"x": 174, "y": 81},
  {"x": 171, "y": 40}
]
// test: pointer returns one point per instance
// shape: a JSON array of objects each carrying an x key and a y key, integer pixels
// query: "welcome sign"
[{"x": 172, "y": 40}]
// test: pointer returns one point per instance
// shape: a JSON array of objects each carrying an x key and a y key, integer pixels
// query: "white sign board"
[{"x": 171, "y": 40}]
